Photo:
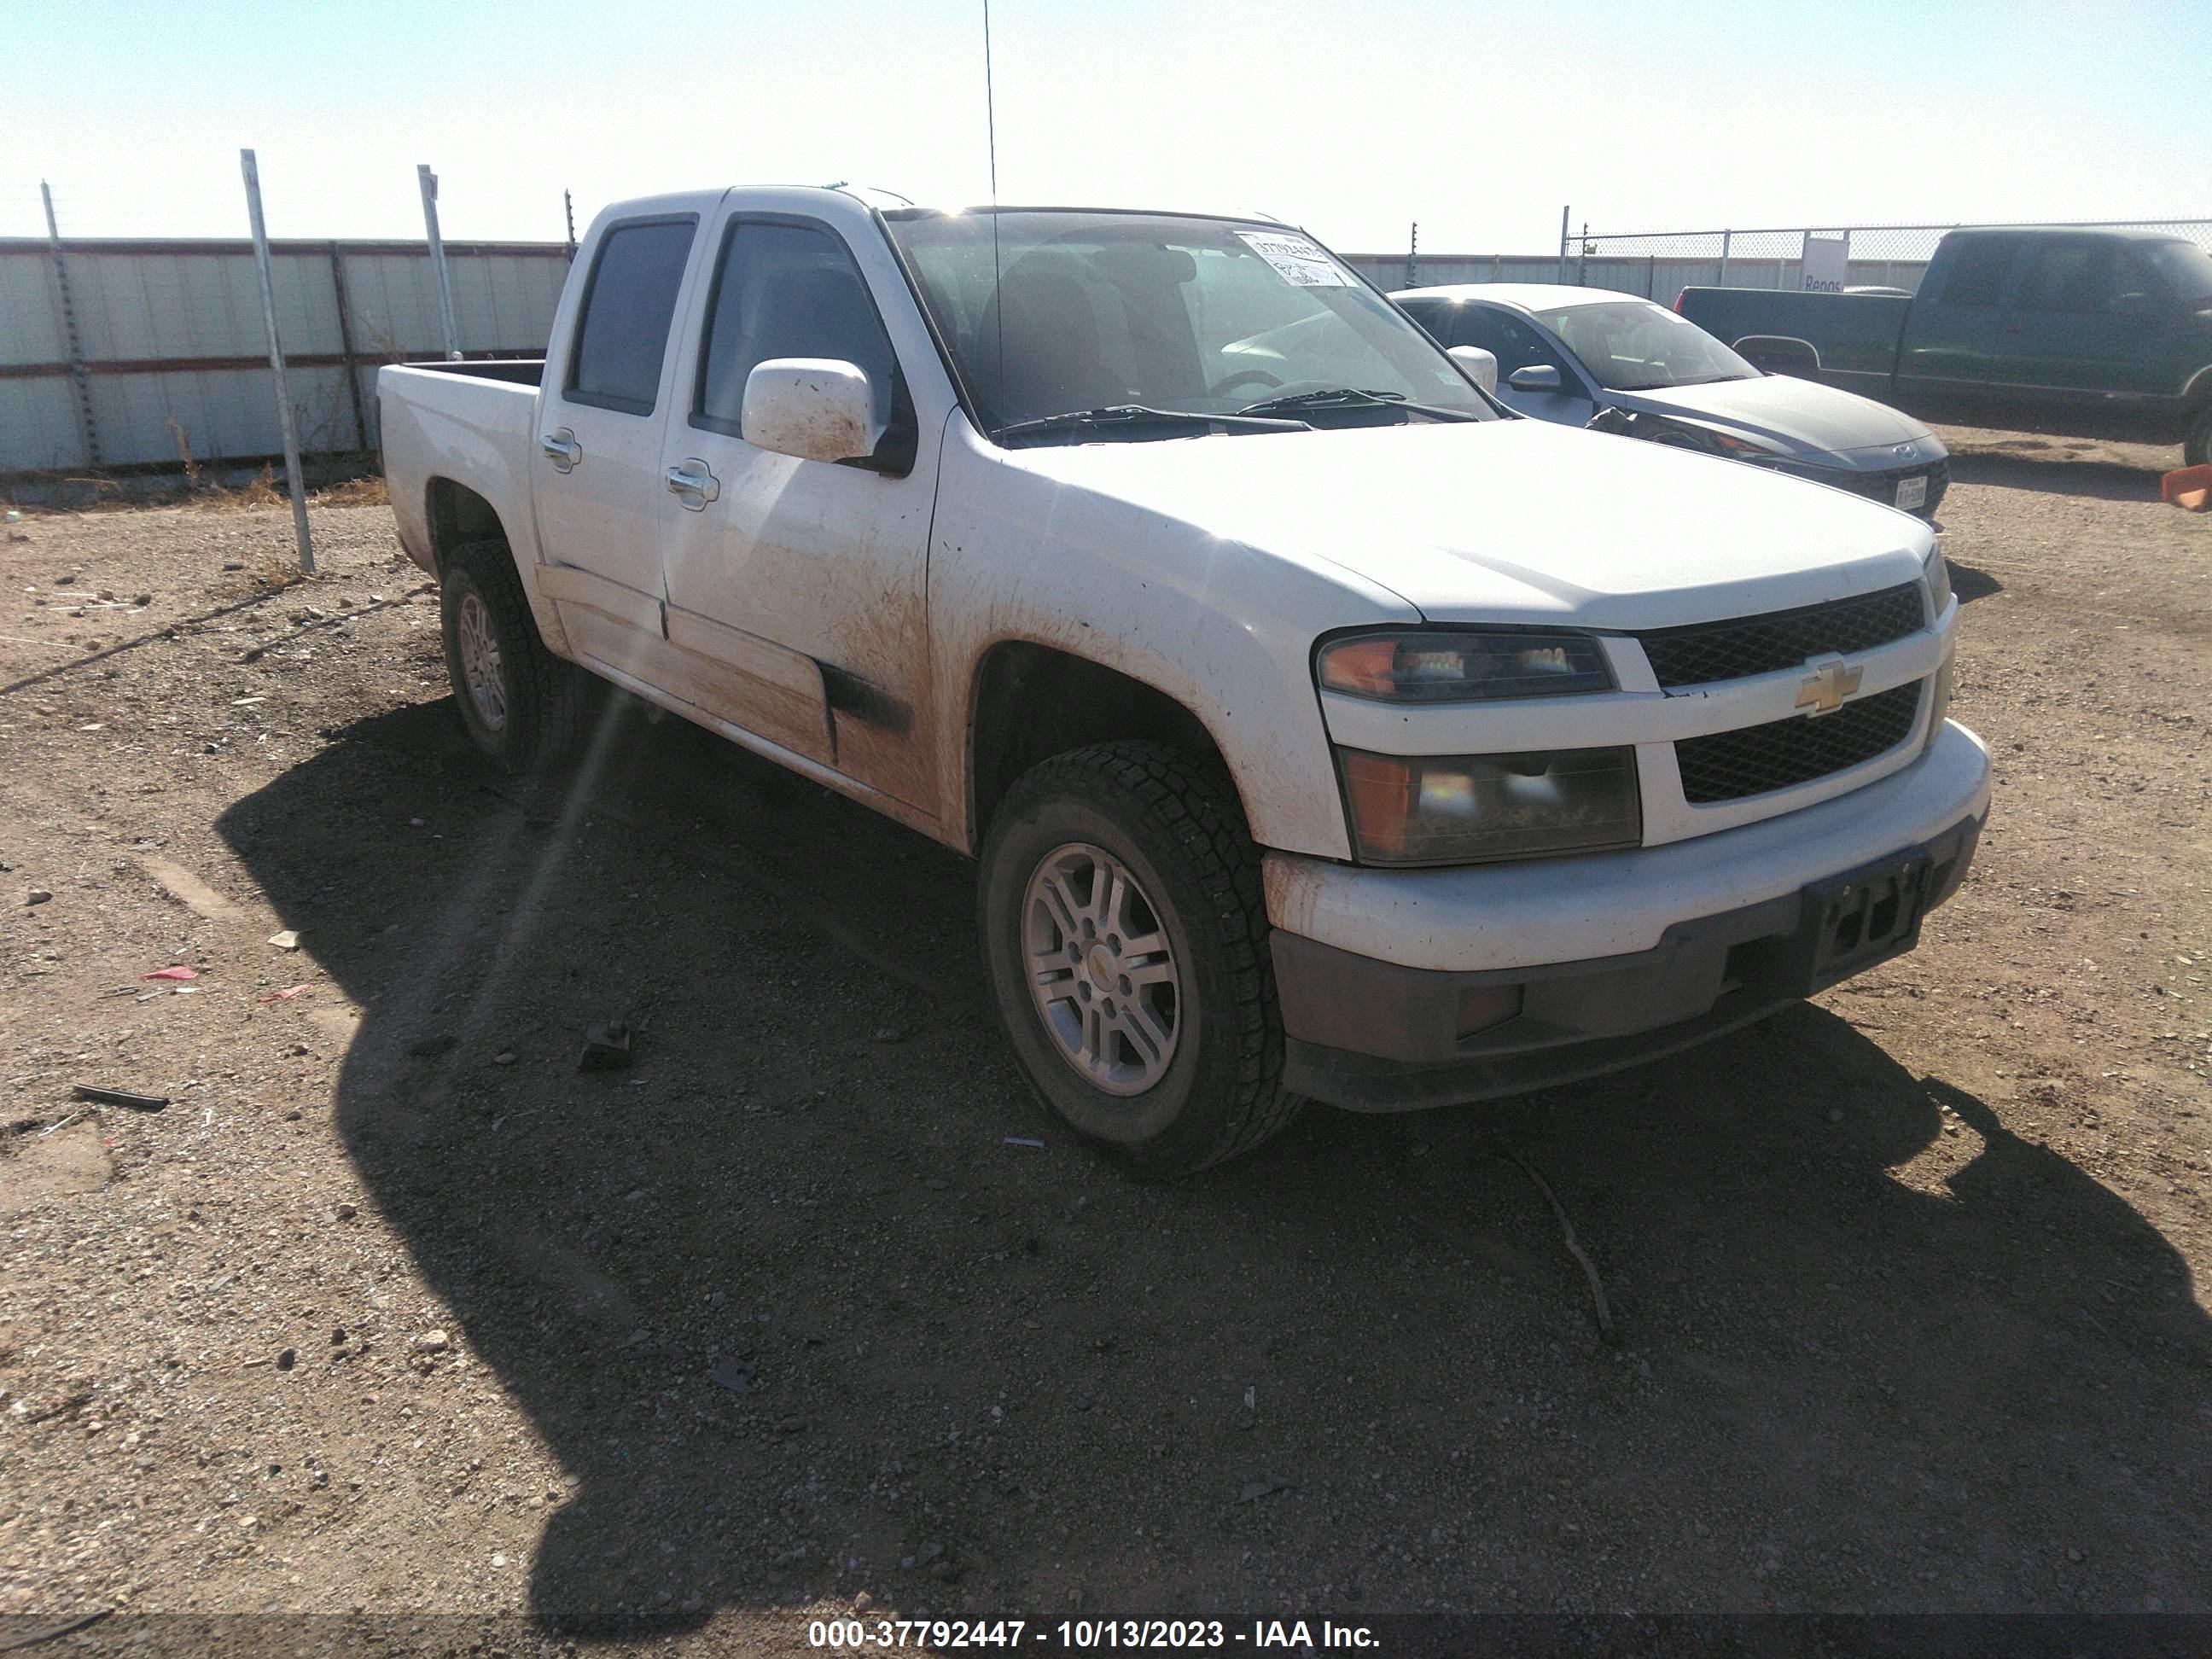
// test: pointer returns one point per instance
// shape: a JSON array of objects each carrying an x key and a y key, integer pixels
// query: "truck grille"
[
  {"x": 1702, "y": 653},
  {"x": 1750, "y": 761}
]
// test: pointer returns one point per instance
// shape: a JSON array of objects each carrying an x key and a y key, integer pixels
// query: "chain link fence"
[{"x": 1660, "y": 264}]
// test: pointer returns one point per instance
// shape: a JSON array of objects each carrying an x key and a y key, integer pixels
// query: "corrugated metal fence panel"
[
  {"x": 30, "y": 307},
  {"x": 195, "y": 308},
  {"x": 38, "y": 425}
]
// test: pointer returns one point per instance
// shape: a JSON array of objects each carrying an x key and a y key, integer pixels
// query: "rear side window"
[
  {"x": 2082, "y": 278},
  {"x": 622, "y": 334},
  {"x": 1430, "y": 314},
  {"x": 787, "y": 291},
  {"x": 1513, "y": 343},
  {"x": 1978, "y": 274}
]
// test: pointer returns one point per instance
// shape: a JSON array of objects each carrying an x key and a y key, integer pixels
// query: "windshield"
[
  {"x": 1076, "y": 311},
  {"x": 2186, "y": 267},
  {"x": 1632, "y": 345}
]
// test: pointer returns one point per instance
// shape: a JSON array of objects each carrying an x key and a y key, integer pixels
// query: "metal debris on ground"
[
  {"x": 606, "y": 1047},
  {"x": 121, "y": 1097},
  {"x": 1605, "y": 1326},
  {"x": 1024, "y": 1140}
]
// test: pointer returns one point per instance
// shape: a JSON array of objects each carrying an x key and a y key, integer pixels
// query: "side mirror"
[
  {"x": 1482, "y": 366},
  {"x": 1537, "y": 377},
  {"x": 818, "y": 409},
  {"x": 1779, "y": 354}
]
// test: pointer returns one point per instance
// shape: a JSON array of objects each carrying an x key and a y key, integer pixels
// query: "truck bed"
[{"x": 1854, "y": 337}]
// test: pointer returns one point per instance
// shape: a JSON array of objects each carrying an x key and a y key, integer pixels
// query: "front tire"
[
  {"x": 1127, "y": 938},
  {"x": 2196, "y": 447},
  {"x": 521, "y": 704}
]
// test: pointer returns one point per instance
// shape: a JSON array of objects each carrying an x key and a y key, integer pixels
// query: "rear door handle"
[
  {"x": 563, "y": 448},
  {"x": 695, "y": 485}
]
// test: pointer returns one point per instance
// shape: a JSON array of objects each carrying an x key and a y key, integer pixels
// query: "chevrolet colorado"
[{"x": 1322, "y": 730}]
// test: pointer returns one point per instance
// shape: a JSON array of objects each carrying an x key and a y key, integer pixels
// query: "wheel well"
[
  {"x": 458, "y": 515},
  {"x": 1033, "y": 702}
]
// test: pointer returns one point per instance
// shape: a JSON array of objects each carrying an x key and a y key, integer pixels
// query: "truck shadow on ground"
[
  {"x": 799, "y": 1322},
  {"x": 2103, "y": 481}
]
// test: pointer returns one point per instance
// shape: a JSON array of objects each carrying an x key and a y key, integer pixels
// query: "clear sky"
[{"x": 1353, "y": 117}]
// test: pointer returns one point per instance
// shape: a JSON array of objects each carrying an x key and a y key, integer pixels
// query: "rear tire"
[
  {"x": 520, "y": 704},
  {"x": 2196, "y": 447},
  {"x": 1127, "y": 937}
]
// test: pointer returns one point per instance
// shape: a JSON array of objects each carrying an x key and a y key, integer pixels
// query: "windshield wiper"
[
  {"x": 1136, "y": 415},
  {"x": 1345, "y": 397}
]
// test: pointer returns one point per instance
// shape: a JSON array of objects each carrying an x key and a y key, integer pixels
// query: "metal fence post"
[
  {"x": 78, "y": 379},
  {"x": 1727, "y": 237},
  {"x": 292, "y": 475},
  {"x": 1412, "y": 254},
  {"x": 569, "y": 213},
  {"x": 429, "y": 181},
  {"x": 1560, "y": 276},
  {"x": 345, "y": 347}
]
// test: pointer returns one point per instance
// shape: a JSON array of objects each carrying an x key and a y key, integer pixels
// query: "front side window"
[
  {"x": 785, "y": 290},
  {"x": 2186, "y": 268},
  {"x": 1633, "y": 345},
  {"x": 1050, "y": 312},
  {"x": 628, "y": 302}
]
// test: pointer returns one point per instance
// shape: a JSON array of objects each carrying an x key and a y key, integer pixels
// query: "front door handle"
[
  {"x": 693, "y": 485},
  {"x": 563, "y": 448}
]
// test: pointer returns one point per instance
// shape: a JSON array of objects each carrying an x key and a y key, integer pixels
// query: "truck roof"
[{"x": 2116, "y": 233}]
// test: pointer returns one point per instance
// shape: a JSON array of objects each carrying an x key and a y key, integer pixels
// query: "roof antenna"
[{"x": 991, "y": 131}]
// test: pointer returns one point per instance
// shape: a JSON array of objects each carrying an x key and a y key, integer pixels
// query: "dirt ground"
[{"x": 393, "y": 1309}]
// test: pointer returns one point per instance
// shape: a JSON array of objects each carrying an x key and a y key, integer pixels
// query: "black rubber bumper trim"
[{"x": 1374, "y": 1037}]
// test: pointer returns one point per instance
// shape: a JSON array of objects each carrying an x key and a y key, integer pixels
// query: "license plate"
[
  {"x": 1868, "y": 916},
  {"x": 1912, "y": 495}
]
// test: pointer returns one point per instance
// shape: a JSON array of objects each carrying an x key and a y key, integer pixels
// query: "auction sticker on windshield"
[{"x": 1303, "y": 264}]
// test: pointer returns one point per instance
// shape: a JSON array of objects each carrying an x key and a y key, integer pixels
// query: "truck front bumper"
[{"x": 1403, "y": 990}]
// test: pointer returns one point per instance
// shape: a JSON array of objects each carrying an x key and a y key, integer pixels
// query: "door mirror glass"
[
  {"x": 1537, "y": 377},
  {"x": 1482, "y": 366},
  {"x": 818, "y": 409}
]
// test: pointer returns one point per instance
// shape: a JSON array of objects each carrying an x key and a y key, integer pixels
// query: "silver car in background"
[{"x": 1568, "y": 355}]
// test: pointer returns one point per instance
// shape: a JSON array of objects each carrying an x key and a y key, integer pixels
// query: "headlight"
[
  {"x": 1462, "y": 809},
  {"x": 1939, "y": 584},
  {"x": 1437, "y": 666}
]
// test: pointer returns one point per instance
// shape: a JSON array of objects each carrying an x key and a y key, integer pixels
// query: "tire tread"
[{"x": 1192, "y": 798}]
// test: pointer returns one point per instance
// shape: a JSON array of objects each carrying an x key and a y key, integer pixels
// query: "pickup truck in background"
[
  {"x": 2090, "y": 333},
  {"x": 1322, "y": 730}
]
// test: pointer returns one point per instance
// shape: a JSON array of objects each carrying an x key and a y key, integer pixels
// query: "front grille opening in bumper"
[
  {"x": 1781, "y": 754},
  {"x": 1701, "y": 652}
]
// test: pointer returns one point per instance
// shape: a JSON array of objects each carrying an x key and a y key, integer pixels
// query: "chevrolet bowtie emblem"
[{"x": 1832, "y": 680}]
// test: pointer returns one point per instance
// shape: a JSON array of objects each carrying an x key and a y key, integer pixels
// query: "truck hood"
[
  {"x": 1507, "y": 520},
  {"x": 1805, "y": 420}
]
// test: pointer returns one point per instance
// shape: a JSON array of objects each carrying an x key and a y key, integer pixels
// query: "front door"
[
  {"x": 797, "y": 589},
  {"x": 597, "y": 449}
]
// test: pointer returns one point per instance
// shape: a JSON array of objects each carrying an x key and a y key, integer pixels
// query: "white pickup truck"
[{"x": 1324, "y": 731}]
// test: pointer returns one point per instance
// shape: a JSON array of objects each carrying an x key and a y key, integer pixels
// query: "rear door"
[
  {"x": 1947, "y": 362},
  {"x": 597, "y": 487},
  {"x": 797, "y": 589}
]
